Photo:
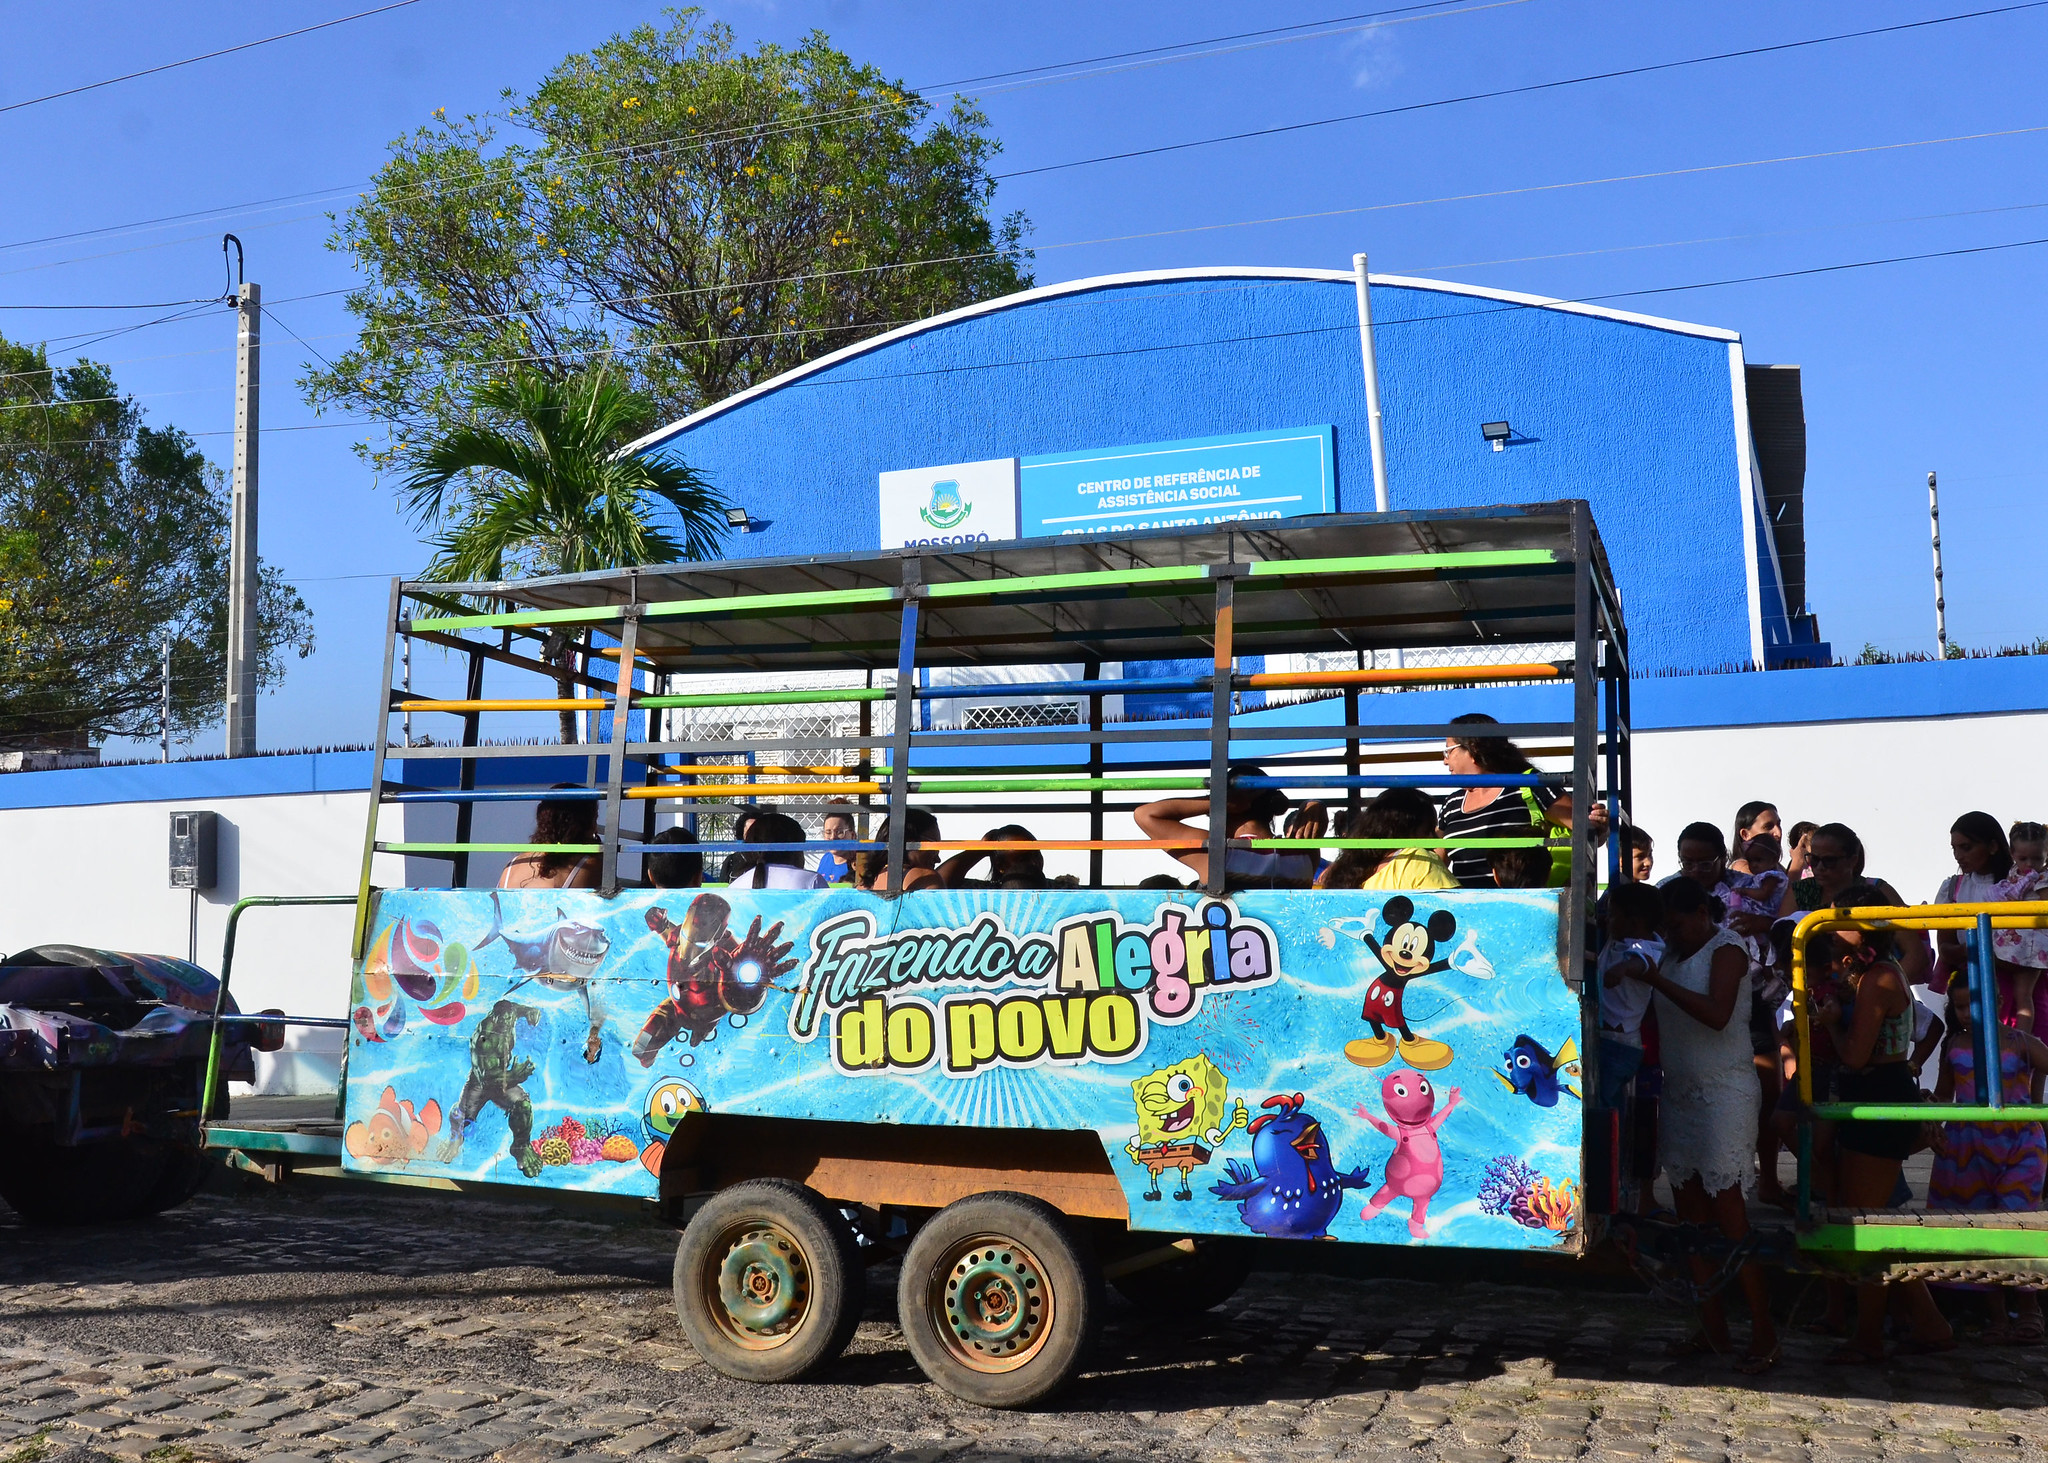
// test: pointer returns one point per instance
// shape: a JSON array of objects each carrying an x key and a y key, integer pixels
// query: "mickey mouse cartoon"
[{"x": 1407, "y": 954}]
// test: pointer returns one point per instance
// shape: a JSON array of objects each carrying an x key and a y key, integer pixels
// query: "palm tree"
[{"x": 554, "y": 493}]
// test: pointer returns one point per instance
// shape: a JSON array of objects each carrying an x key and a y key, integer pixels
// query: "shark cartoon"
[{"x": 564, "y": 957}]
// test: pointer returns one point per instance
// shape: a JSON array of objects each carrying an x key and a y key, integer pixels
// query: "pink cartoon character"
[{"x": 1416, "y": 1170}]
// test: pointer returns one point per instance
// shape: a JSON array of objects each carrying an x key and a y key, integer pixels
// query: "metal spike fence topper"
[{"x": 1940, "y": 605}]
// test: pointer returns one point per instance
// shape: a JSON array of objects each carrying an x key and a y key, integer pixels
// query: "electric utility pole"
[
  {"x": 1940, "y": 606},
  {"x": 242, "y": 580}
]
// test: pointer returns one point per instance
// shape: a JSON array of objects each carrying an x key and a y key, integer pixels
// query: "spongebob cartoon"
[{"x": 1181, "y": 1119}]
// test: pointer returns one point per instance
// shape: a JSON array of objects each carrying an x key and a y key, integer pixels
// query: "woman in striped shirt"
[{"x": 1497, "y": 812}]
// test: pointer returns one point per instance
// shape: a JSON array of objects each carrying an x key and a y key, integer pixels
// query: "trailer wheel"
[
  {"x": 1191, "y": 1284},
  {"x": 999, "y": 1300},
  {"x": 768, "y": 1282}
]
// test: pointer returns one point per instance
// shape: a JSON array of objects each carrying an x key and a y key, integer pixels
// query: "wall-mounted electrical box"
[{"x": 195, "y": 842}]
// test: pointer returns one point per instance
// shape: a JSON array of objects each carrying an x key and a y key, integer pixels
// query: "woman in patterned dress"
[{"x": 1991, "y": 1166}]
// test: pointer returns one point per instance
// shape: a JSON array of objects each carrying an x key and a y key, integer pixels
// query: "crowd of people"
[{"x": 1697, "y": 1046}]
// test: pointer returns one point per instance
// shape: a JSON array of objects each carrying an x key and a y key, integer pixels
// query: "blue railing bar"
[
  {"x": 1990, "y": 1060},
  {"x": 563, "y": 794},
  {"x": 251, "y": 1018}
]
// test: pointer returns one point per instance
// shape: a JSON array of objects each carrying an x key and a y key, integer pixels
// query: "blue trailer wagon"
[{"x": 1027, "y": 1092}]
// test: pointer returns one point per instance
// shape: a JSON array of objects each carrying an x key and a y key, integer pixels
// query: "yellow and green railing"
[{"x": 1917, "y": 1234}]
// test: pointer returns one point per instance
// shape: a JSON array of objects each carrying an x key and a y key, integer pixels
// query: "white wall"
[
  {"x": 1899, "y": 784},
  {"x": 99, "y": 875}
]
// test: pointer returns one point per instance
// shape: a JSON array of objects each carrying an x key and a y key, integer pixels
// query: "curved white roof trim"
[{"x": 1155, "y": 276}]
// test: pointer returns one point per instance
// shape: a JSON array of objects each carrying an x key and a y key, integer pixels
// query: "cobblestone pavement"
[{"x": 359, "y": 1328}]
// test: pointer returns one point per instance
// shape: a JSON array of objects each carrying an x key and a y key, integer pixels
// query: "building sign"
[
  {"x": 1191, "y": 483},
  {"x": 965, "y": 503}
]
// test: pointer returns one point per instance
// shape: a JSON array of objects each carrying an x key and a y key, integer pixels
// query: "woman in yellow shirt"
[{"x": 1398, "y": 812}]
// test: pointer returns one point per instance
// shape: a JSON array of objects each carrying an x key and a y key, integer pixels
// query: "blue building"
[{"x": 1692, "y": 458}]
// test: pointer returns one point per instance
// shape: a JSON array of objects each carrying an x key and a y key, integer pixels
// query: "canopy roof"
[{"x": 1338, "y": 581}]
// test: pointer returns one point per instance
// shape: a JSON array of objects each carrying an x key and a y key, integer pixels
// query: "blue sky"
[{"x": 1935, "y": 364}]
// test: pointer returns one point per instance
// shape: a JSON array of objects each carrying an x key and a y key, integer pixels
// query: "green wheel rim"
[
  {"x": 992, "y": 1304},
  {"x": 763, "y": 1284}
]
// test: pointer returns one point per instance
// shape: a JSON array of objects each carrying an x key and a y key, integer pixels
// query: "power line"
[
  {"x": 1867, "y": 223},
  {"x": 1392, "y": 269},
  {"x": 478, "y": 317},
  {"x": 1516, "y": 90},
  {"x": 1351, "y": 325},
  {"x": 1317, "y": 215},
  {"x": 222, "y": 432},
  {"x": 157, "y": 305},
  {"x": 342, "y": 190},
  {"x": 1184, "y": 45},
  {"x": 1821, "y": 269},
  {"x": 210, "y": 55}
]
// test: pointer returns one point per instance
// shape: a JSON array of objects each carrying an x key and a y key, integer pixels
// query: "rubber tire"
[
  {"x": 185, "y": 1172},
  {"x": 839, "y": 1280},
  {"x": 1070, "y": 1272},
  {"x": 1192, "y": 1284},
  {"x": 96, "y": 1183}
]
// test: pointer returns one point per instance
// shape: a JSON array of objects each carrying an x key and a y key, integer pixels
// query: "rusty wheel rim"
[{"x": 992, "y": 1303}]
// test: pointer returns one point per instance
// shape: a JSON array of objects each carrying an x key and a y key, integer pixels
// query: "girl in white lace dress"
[{"x": 1706, "y": 1121}]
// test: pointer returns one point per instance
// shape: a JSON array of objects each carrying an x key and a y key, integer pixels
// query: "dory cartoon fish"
[{"x": 1537, "y": 1075}]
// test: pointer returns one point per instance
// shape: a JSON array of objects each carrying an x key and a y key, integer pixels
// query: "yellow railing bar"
[
  {"x": 751, "y": 789},
  {"x": 2018, "y": 915}
]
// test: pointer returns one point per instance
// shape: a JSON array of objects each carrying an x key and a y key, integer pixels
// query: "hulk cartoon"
[
  {"x": 1180, "y": 1119},
  {"x": 494, "y": 1079}
]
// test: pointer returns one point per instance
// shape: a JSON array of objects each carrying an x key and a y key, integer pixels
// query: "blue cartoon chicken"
[{"x": 1297, "y": 1190}]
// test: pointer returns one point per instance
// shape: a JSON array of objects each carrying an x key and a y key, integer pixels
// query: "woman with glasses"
[
  {"x": 1835, "y": 856},
  {"x": 1502, "y": 812}
]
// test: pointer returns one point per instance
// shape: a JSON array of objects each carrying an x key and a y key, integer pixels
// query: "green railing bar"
[
  {"x": 1932, "y": 1238},
  {"x": 766, "y": 698},
  {"x": 1387, "y": 843},
  {"x": 1092, "y": 579},
  {"x": 815, "y": 599},
  {"x": 490, "y": 848},
  {"x": 1026, "y": 584},
  {"x": 1406, "y": 563},
  {"x": 1925, "y": 1112}
]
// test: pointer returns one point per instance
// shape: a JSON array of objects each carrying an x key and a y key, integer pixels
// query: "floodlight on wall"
[
  {"x": 1497, "y": 433},
  {"x": 736, "y": 519}
]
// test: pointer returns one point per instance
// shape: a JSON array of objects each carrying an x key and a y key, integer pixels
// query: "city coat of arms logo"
[{"x": 947, "y": 508}]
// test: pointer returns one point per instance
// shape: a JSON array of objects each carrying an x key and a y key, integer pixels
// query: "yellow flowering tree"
[{"x": 697, "y": 216}]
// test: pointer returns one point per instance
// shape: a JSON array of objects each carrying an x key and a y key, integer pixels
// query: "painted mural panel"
[{"x": 1350, "y": 1065}]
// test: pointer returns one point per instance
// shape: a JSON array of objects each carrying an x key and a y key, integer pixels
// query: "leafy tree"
[
  {"x": 703, "y": 216},
  {"x": 553, "y": 494},
  {"x": 113, "y": 532}
]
